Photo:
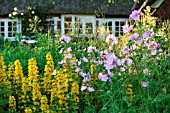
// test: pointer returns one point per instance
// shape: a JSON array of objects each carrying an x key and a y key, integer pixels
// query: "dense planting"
[{"x": 87, "y": 74}]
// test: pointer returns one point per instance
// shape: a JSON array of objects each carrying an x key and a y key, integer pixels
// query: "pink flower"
[
  {"x": 69, "y": 56},
  {"x": 146, "y": 71},
  {"x": 153, "y": 52},
  {"x": 135, "y": 15},
  {"x": 127, "y": 28},
  {"x": 144, "y": 84},
  {"x": 112, "y": 38},
  {"x": 158, "y": 58},
  {"x": 122, "y": 69},
  {"x": 160, "y": 50},
  {"x": 102, "y": 77},
  {"x": 61, "y": 51},
  {"x": 90, "y": 49},
  {"x": 85, "y": 59},
  {"x": 65, "y": 39},
  {"x": 69, "y": 49},
  {"x": 77, "y": 70},
  {"x": 62, "y": 62},
  {"x": 54, "y": 72}
]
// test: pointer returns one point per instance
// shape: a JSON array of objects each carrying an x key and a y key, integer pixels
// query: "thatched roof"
[{"x": 72, "y": 6}]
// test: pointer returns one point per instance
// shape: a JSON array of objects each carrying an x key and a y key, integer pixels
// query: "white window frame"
[
  {"x": 113, "y": 20},
  {"x": 84, "y": 17},
  {"x": 18, "y": 27}
]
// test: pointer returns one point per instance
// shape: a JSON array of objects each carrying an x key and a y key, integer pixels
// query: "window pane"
[
  {"x": 67, "y": 31},
  {"x": 117, "y": 23},
  {"x": 68, "y": 19},
  {"x": 1, "y": 23},
  {"x": 89, "y": 25},
  {"x": 122, "y": 23},
  {"x": 67, "y": 25},
  {"x": 117, "y": 34},
  {"x": 117, "y": 29},
  {"x": 2, "y": 29},
  {"x": 110, "y": 24},
  {"x": 2, "y": 34}
]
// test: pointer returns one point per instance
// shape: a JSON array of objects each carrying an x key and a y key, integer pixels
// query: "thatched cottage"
[{"x": 88, "y": 14}]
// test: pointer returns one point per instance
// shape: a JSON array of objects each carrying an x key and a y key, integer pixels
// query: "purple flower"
[
  {"x": 110, "y": 58},
  {"x": 110, "y": 73},
  {"x": 65, "y": 39},
  {"x": 148, "y": 34},
  {"x": 168, "y": 55},
  {"x": 129, "y": 61},
  {"x": 110, "y": 80},
  {"x": 90, "y": 89},
  {"x": 83, "y": 88},
  {"x": 134, "y": 36},
  {"x": 69, "y": 56},
  {"x": 144, "y": 84},
  {"x": 85, "y": 59},
  {"x": 127, "y": 28},
  {"x": 102, "y": 77},
  {"x": 125, "y": 50},
  {"x": 135, "y": 15},
  {"x": 139, "y": 40},
  {"x": 86, "y": 79}
]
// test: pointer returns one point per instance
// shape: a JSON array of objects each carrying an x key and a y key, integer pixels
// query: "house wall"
[{"x": 163, "y": 12}]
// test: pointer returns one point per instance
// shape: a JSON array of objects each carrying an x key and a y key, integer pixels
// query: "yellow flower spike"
[
  {"x": 129, "y": 91},
  {"x": 28, "y": 110}
]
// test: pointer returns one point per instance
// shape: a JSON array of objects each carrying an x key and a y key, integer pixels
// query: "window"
[
  {"x": 78, "y": 24},
  {"x": 113, "y": 25},
  {"x": 9, "y": 28}
]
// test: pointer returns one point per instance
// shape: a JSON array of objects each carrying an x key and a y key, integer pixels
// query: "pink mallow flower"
[
  {"x": 112, "y": 38},
  {"x": 135, "y": 15},
  {"x": 102, "y": 77},
  {"x": 127, "y": 28},
  {"x": 85, "y": 59},
  {"x": 65, "y": 39},
  {"x": 144, "y": 84},
  {"x": 148, "y": 34},
  {"x": 69, "y": 56},
  {"x": 134, "y": 36}
]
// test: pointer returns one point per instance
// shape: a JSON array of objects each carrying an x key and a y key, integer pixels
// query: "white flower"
[
  {"x": 33, "y": 12},
  {"x": 14, "y": 13},
  {"x": 15, "y": 9},
  {"x": 10, "y": 15}
]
